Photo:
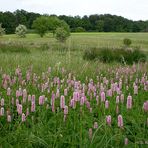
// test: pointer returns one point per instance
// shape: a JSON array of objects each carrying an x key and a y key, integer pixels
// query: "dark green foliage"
[
  {"x": 127, "y": 42},
  {"x": 2, "y": 30},
  {"x": 41, "y": 25},
  {"x": 104, "y": 23},
  {"x": 121, "y": 55}
]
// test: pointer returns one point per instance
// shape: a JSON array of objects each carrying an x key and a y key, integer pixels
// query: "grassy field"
[
  {"x": 85, "y": 40},
  {"x": 33, "y": 85}
]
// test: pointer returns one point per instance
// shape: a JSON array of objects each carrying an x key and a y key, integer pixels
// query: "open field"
[
  {"x": 54, "y": 98},
  {"x": 83, "y": 40}
]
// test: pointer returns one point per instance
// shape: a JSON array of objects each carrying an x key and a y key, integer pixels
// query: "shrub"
[
  {"x": 21, "y": 31},
  {"x": 2, "y": 30},
  {"x": 61, "y": 34},
  {"x": 120, "y": 55},
  {"x": 79, "y": 29},
  {"x": 127, "y": 42}
]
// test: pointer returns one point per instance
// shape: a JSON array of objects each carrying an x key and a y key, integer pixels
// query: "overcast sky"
[{"x": 131, "y": 9}]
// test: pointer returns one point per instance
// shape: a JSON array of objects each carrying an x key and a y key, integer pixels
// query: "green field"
[
  {"x": 75, "y": 45},
  {"x": 47, "y": 128},
  {"x": 83, "y": 40}
]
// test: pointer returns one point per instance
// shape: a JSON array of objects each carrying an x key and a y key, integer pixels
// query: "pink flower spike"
[
  {"x": 62, "y": 102},
  {"x": 23, "y": 117},
  {"x": 8, "y": 118},
  {"x": 145, "y": 106},
  {"x": 122, "y": 98},
  {"x": 129, "y": 102},
  {"x": 117, "y": 100},
  {"x": 20, "y": 107},
  {"x": 90, "y": 133},
  {"x": 33, "y": 107},
  {"x": 106, "y": 104},
  {"x": 120, "y": 121},
  {"x": 65, "y": 110},
  {"x": 102, "y": 96},
  {"x": 108, "y": 120},
  {"x": 135, "y": 90},
  {"x": 2, "y": 111},
  {"x": 126, "y": 141},
  {"x": 95, "y": 125},
  {"x": 2, "y": 102},
  {"x": 8, "y": 91}
]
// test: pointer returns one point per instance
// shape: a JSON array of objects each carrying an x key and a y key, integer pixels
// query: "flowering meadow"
[{"x": 59, "y": 108}]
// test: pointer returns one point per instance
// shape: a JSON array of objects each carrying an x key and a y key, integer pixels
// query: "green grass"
[
  {"x": 85, "y": 40},
  {"x": 47, "y": 129}
]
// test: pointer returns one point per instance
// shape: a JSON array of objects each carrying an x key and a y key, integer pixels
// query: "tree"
[
  {"x": 21, "y": 30},
  {"x": 41, "y": 25},
  {"x": 100, "y": 25},
  {"x": 2, "y": 30},
  {"x": 54, "y": 23},
  {"x": 61, "y": 34}
]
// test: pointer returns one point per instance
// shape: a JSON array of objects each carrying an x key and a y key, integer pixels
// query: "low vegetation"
[{"x": 121, "y": 55}]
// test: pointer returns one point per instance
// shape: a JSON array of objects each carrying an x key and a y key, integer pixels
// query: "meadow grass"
[
  {"x": 46, "y": 128},
  {"x": 85, "y": 40}
]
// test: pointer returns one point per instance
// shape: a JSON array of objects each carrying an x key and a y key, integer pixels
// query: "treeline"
[{"x": 95, "y": 23}]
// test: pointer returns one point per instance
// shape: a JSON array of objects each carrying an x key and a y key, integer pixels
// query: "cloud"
[{"x": 132, "y": 9}]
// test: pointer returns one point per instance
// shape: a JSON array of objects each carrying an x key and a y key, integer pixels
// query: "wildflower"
[
  {"x": 129, "y": 102},
  {"x": 8, "y": 118},
  {"x": 117, "y": 100},
  {"x": 117, "y": 109},
  {"x": 126, "y": 141},
  {"x": 72, "y": 103},
  {"x": 23, "y": 117},
  {"x": 120, "y": 121},
  {"x": 106, "y": 104},
  {"x": 8, "y": 91},
  {"x": 2, "y": 111},
  {"x": 90, "y": 133},
  {"x": 108, "y": 120},
  {"x": 33, "y": 98},
  {"x": 65, "y": 92},
  {"x": 27, "y": 111},
  {"x": 62, "y": 102},
  {"x": 122, "y": 98},
  {"x": 19, "y": 107},
  {"x": 65, "y": 110},
  {"x": 135, "y": 90},
  {"x": 82, "y": 100},
  {"x": 103, "y": 96},
  {"x": 29, "y": 98},
  {"x": 95, "y": 125},
  {"x": 2, "y": 102},
  {"x": 145, "y": 106},
  {"x": 41, "y": 100},
  {"x": 32, "y": 106}
]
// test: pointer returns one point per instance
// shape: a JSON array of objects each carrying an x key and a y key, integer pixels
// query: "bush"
[
  {"x": 61, "y": 34},
  {"x": 2, "y": 30},
  {"x": 120, "y": 55},
  {"x": 21, "y": 31},
  {"x": 79, "y": 29},
  {"x": 127, "y": 42}
]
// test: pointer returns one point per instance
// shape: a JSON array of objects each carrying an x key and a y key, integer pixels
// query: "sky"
[{"x": 131, "y": 9}]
